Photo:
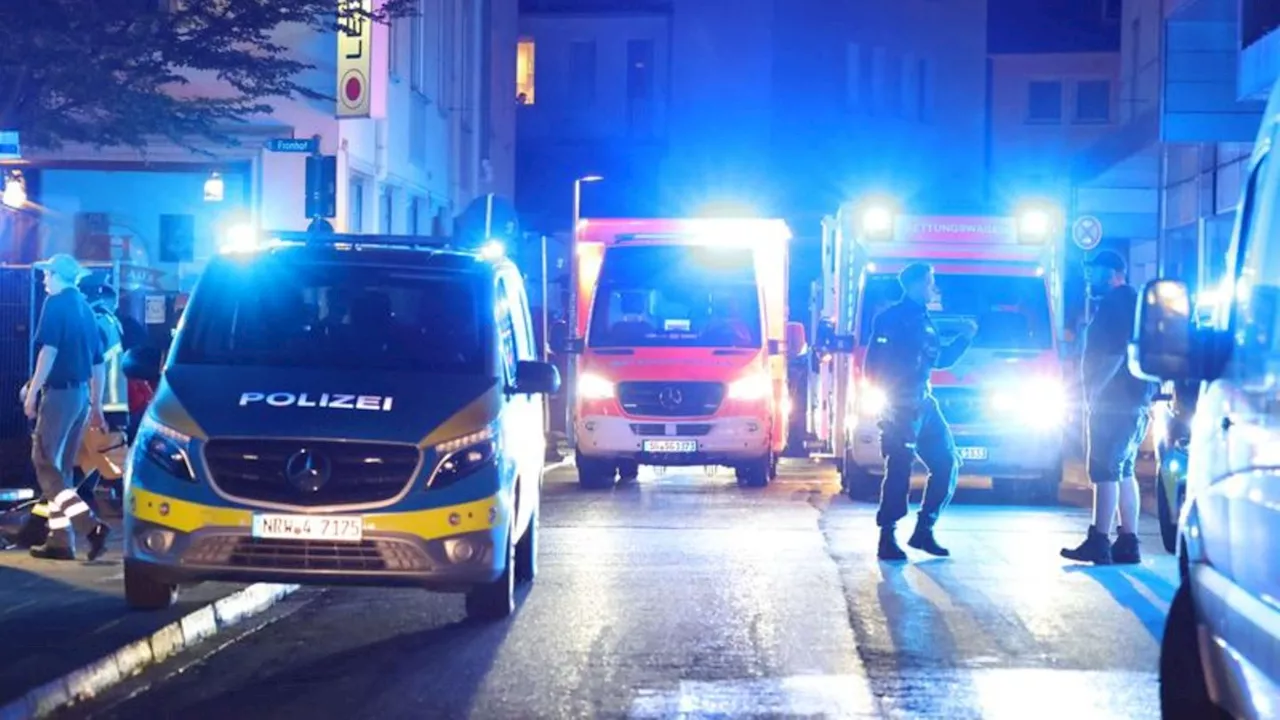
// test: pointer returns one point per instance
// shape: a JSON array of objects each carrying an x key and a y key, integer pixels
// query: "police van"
[
  {"x": 344, "y": 410},
  {"x": 1220, "y": 654}
]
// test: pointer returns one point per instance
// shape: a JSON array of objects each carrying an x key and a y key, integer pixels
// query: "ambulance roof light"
[{"x": 1037, "y": 220}]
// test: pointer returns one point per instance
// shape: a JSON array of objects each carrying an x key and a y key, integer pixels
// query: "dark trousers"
[
  {"x": 55, "y": 445},
  {"x": 912, "y": 429}
]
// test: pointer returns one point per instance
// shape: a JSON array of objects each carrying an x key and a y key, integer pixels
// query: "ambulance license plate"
[
  {"x": 973, "y": 453},
  {"x": 307, "y": 527},
  {"x": 670, "y": 446}
]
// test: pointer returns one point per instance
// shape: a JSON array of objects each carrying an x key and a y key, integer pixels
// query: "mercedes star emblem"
[
  {"x": 670, "y": 397},
  {"x": 307, "y": 470}
]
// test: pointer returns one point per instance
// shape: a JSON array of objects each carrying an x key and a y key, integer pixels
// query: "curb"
[{"x": 92, "y": 679}]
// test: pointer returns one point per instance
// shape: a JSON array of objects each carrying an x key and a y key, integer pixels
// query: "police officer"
[
  {"x": 63, "y": 397},
  {"x": 1118, "y": 406},
  {"x": 905, "y": 349}
]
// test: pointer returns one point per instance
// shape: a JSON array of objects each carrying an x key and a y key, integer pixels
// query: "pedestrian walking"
[
  {"x": 64, "y": 397},
  {"x": 1118, "y": 406},
  {"x": 905, "y": 350}
]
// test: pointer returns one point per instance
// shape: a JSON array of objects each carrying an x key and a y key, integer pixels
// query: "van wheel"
[
  {"x": 594, "y": 473},
  {"x": 1184, "y": 693},
  {"x": 142, "y": 592},
  {"x": 628, "y": 471},
  {"x": 755, "y": 474},
  {"x": 527, "y": 552},
  {"x": 1168, "y": 518},
  {"x": 496, "y": 600}
]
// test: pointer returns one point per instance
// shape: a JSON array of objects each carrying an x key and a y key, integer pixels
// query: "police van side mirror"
[
  {"x": 536, "y": 378},
  {"x": 1164, "y": 346}
]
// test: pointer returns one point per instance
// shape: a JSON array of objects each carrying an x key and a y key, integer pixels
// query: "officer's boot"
[
  {"x": 922, "y": 538},
  {"x": 889, "y": 549},
  {"x": 58, "y": 546},
  {"x": 1095, "y": 549},
  {"x": 1125, "y": 551}
]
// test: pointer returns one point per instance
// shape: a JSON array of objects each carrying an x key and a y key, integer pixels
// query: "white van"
[{"x": 1220, "y": 656}]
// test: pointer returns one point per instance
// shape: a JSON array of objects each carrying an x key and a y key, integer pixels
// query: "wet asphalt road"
[{"x": 688, "y": 597}]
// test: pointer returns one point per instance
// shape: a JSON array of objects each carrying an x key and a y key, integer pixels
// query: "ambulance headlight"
[
  {"x": 166, "y": 447},
  {"x": 594, "y": 387},
  {"x": 752, "y": 387},
  {"x": 871, "y": 400},
  {"x": 1040, "y": 403}
]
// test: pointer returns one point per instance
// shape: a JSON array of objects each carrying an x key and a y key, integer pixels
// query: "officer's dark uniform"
[{"x": 905, "y": 349}]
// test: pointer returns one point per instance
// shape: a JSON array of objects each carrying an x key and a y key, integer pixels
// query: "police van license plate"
[
  {"x": 670, "y": 446},
  {"x": 973, "y": 453},
  {"x": 307, "y": 527}
]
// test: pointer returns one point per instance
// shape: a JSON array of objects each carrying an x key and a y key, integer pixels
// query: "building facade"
[
  {"x": 789, "y": 107},
  {"x": 1194, "y": 78},
  {"x": 438, "y": 132}
]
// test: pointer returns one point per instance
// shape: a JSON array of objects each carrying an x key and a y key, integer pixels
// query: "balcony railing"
[{"x": 1257, "y": 19}]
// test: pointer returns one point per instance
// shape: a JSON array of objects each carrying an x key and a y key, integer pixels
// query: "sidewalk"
[{"x": 58, "y": 617}]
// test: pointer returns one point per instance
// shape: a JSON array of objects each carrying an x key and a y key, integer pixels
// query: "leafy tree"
[{"x": 100, "y": 71}]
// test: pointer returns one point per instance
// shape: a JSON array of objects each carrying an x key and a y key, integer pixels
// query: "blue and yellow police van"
[{"x": 344, "y": 410}]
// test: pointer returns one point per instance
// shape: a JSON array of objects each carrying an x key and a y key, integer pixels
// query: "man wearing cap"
[
  {"x": 1117, "y": 404},
  {"x": 63, "y": 397}
]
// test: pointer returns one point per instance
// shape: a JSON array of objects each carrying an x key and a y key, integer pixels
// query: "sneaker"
[
  {"x": 1125, "y": 550},
  {"x": 1095, "y": 549},
  {"x": 889, "y": 549},
  {"x": 98, "y": 540},
  {"x": 922, "y": 539}
]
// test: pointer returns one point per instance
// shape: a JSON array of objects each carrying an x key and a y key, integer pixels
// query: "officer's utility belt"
[{"x": 65, "y": 385}]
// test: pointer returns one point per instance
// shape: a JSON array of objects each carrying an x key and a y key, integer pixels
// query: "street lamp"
[
  {"x": 15, "y": 190},
  {"x": 570, "y": 394}
]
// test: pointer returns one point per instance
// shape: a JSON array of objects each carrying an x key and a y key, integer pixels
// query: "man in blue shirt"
[
  {"x": 1117, "y": 405},
  {"x": 64, "y": 397}
]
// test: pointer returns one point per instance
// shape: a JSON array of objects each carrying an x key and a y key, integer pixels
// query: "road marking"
[{"x": 831, "y": 696}]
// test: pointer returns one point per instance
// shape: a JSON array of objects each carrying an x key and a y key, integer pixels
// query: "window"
[
  {"x": 387, "y": 211},
  {"x": 278, "y": 312},
  {"x": 355, "y": 204},
  {"x": 582, "y": 72},
  {"x": 1093, "y": 101},
  {"x": 1011, "y": 312},
  {"x": 676, "y": 296},
  {"x": 520, "y": 319},
  {"x": 393, "y": 47},
  {"x": 1044, "y": 101},
  {"x": 417, "y": 52},
  {"x": 639, "y": 69},
  {"x": 924, "y": 87},
  {"x": 879, "y": 61},
  {"x": 524, "y": 71},
  {"x": 415, "y": 217},
  {"x": 1112, "y": 10},
  {"x": 853, "y": 74},
  {"x": 893, "y": 78}
]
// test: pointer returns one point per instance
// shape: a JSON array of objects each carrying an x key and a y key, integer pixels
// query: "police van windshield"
[
  {"x": 1012, "y": 313},
  {"x": 676, "y": 296},
  {"x": 324, "y": 316}
]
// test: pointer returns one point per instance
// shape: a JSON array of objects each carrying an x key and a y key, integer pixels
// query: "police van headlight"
[
  {"x": 463, "y": 456},
  {"x": 166, "y": 447},
  {"x": 1040, "y": 403}
]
